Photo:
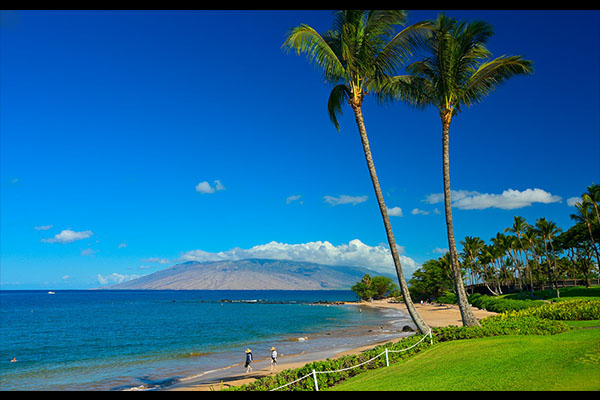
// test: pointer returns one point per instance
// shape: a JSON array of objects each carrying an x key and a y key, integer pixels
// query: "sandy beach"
[{"x": 435, "y": 315}]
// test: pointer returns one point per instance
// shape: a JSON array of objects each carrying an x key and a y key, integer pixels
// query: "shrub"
[
  {"x": 500, "y": 304},
  {"x": 509, "y": 323},
  {"x": 567, "y": 310}
]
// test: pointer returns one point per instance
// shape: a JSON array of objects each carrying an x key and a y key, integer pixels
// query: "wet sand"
[{"x": 434, "y": 315}]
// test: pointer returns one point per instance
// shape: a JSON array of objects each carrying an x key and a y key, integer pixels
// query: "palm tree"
[
  {"x": 471, "y": 248},
  {"x": 356, "y": 56},
  {"x": 457, "y": 72},
  {"x": 592, "y": 196},
  {"x": 532, "y": 238},
  {"x": 584, "y": 215},
  {"x": 518, "y": 228},
  {"x": 548, "y": 230}
]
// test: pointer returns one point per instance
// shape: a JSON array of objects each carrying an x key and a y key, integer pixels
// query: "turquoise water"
[{"x": 116, "y": 340}]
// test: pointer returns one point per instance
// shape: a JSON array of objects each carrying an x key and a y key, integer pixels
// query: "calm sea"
[{"x": 118, "y": 340}]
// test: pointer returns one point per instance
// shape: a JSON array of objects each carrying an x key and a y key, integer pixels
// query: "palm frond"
[
  {"x": 338, "y": 95},
  {"x": 491, "y": 74},
  {"x": 403, "y": 45},
  {"x": 304, "y": 39}
]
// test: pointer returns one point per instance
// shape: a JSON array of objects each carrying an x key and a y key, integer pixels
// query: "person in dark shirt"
[{"x": 249, "y": 360}]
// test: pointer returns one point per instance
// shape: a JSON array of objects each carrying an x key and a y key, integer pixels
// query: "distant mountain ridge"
[{"x": 249, "y": 274}]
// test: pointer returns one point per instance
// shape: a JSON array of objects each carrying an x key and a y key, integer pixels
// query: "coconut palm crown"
[{"x": 359, "y": 53}]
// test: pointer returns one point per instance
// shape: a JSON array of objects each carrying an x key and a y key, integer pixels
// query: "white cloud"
[
  {"x": 219, "y": 185},
  {"x": 439, "y": 250},
  {"x": 68, "y": 236},
  {"x": 88, "y": 252},
  {"x": 416, "y": 211},
  {"x": 344, "y": 199},
  {"x": 572, "y": 200},
  {"x": 206, "y": 188},
  {"x": 42, "y": 228},
  {"x": 395, "y": 212},
  {"x": 122, "y": 245},
  {"x": 115, "y": 278},
  {"x": 507, "y": 200},
  {"x": 355, "y": 253},
  {"x": 293, "y": 198}
]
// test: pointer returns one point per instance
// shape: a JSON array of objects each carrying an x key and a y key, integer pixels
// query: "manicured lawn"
[{"x": 567, "y": 361}]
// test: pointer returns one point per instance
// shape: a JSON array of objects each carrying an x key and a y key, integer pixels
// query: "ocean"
[{"x": 147, "y": 340}]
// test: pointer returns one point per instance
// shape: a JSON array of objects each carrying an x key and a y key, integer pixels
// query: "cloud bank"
[
  {"x": 507, "y": 200},
  {"x": 355, "y": 253}
]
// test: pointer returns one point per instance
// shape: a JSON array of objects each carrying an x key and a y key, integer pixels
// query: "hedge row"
[{"x": 500, "y": 305}]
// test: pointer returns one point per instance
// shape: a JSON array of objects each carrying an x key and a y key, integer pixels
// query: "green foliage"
[
  {"x": 567, "y": 310},
  {"x": 508, "y": 323},
  {"x": 429, "y": 281},
  {"x": 563, "y": 310},
  {"x": 501, "y": 304},
  {"x": 447, "y": 298},
  {"x": 377, "y": 287}
]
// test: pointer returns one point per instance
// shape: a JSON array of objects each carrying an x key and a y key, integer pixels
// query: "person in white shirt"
[{"x": 273, "y": 358}]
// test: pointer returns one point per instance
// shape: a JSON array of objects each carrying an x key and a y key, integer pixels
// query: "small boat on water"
[{"x": 50, "y": 292}]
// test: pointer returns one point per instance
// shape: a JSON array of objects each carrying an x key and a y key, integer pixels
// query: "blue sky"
[{"x": 113, "y": 125}]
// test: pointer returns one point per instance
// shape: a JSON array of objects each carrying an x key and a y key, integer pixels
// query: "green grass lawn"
[{"x": 567, "y": 361}]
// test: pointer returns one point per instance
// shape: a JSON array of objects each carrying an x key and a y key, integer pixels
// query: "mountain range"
[{"x": 249, "y": 274}]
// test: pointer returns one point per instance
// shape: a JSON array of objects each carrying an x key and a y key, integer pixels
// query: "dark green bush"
[
  {"x": 500, "y": 305},
  {"x": 508, "y": 323}
]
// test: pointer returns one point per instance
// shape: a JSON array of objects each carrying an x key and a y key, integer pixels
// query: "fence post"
[
  {"x": 387, "y": 360},
  {"x": 316, "y": 383},
  {"x": 430, "y": 337}
]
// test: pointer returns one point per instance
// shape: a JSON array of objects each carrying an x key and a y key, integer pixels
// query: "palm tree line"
[
  {"x": 363, "y": 55},
  {"x": 527, "y": 256}
]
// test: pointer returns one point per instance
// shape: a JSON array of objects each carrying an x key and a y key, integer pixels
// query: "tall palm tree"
[
  {"x": 548, "y": 230},
  {"x": 532, "y": 239},
  {"x": 584, "y": 215},
  {"x": 472, "y": 246},
  {"x": 355, "y": 56},
  {"x": 457, "y": 71},
  {"x": 519, "y": 227},
  {"x": 592, "y": 196}
]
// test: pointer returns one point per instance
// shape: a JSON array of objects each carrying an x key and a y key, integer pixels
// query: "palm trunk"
[
  {"x": 414, "y": 314},
  {"x": 468, "y": 318},
  {"x": 549, "y": 269},
  {"x": 589, "y": 226},
  {"x": 555, "y": 271}
]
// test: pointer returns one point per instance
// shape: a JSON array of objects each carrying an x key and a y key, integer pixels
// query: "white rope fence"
[{"x": 387, "y": 363}]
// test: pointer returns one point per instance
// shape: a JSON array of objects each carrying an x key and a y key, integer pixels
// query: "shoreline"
[{"x": 435, "y": 315}]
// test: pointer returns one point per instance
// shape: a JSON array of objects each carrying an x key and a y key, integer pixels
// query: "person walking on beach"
[
  {"x": 273, "y": 358},
  {"x": 249, "y": 360}
]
